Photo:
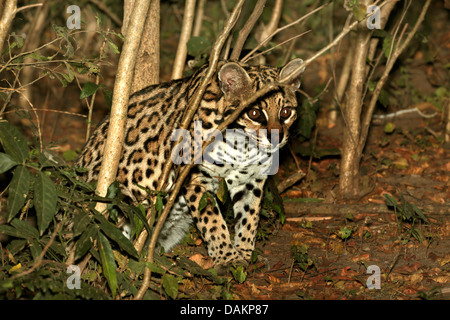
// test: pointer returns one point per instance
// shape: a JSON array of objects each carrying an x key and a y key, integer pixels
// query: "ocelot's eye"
[
  {"x": 285, "y": 113},
  {"x": 256, "y": 115}
]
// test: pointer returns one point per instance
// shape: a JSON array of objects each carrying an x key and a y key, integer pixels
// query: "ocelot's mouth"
[
  {"x": 270, "y": 141},
  {"x": 271, "y": 147}
]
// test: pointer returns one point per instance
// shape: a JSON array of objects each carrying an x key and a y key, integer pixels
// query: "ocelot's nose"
[{"x": 275, "y": 135}]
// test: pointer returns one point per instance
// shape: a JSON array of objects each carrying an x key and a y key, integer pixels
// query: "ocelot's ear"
[
  {"x": 292, "y": 69},
  {"x": 234, "y": 80}
]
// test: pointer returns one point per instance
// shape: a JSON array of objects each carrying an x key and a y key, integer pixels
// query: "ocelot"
[{"x": 155, "y": 113}]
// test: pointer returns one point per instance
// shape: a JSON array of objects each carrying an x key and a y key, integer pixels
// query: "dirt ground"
[{"x": 408, "y": 269}]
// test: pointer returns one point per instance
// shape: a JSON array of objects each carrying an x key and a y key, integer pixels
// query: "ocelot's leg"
[
  {"x": 246, "y": 201},
  {"x": 211, "y": 223}
]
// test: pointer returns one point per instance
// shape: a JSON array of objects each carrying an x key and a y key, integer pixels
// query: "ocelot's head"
[{"x": 269, "y": 118}]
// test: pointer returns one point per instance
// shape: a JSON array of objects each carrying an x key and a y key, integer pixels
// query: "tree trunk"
[
  {"x": 356, "y": 129},
  {"x": 349, "y": 173},
  {"x": 146, "y": 71},
  {"x": 8, "y": 12},
  {"x": 122, "y": 89}
]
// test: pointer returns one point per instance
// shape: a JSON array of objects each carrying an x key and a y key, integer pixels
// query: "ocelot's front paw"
[
  {"x": 223, "y": 269},
  {"x": 222, "y": 264}
]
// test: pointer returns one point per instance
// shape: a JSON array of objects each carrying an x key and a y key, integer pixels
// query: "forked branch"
[{"x": 187, "y": 118}]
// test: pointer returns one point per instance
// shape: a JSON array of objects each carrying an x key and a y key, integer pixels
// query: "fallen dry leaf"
[
  {"x": 443, "y": 261},
  {"x": 202, "y": 261},
  {"x": 416, "y": 277},
  {"x": 442, "y": 279},
  {"x": 273, "y": 279},
  {"x": 364, "y": 257}
]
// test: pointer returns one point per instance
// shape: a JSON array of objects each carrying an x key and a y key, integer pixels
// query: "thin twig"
[
  {"x": 291, "y": 180},
  {"x": 245, "y": 31},
  {"x": 199, "y": 18},
  {"x": 28, "y": 7},
  {"x": 249, "y": 55},
  {"x": 91, "y": 104},
  {"x": 280, "y": 44},
  {"x": 184, "y": 124},
  {"x": 108, "y": 12},
  {"x": 180, "y": 57},
  {"x": 399, "y": 49},
  {"x": 38, "y": 261}
]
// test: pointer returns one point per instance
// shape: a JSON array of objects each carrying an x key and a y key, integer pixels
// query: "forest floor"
[
  {"x": 342, "y": 246},
  {"x": 413, "y": 261}
]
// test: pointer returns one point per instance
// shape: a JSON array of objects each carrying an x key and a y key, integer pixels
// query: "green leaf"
[
  {"x": 25, "y": 228},
  {"x": 170, "y": 285},
  {"x": 45, "y": 199},
  {"x": 419, "y": 212},
  {"x": 88, "y": 89},
  {"x": 206, "y": 197},
  {"x": 239, "y": 274},
  {"x": 300, "y": 256},
  {"x": 50, "y": 159},
  {"x": 85, "y": 242},
  {"x": 159, "y": 204},
  {"x": 114, "y": 48},
  {"x": 390, "y": 200},
  {"x": 222, "y": 191},
  {"x": 14, "y": 143},
  {"x": 116, "y": 235},
  {"x": 37, "y": 56},
  {"x": 345, "y": 232},
  {"x": 155, "y": 268},
  {"x": 108, "y": 262},
  {"x": 10, "y": 231},
  {"x": 70, "y": 155},
  {"x": 359, "y": 11},
  {"x": 80, "y": 223},
  {"x": 70, "y": 73},
  {"x": 108, "y": 95},
  {"x": 113, "y": 192},
  {"x": 387, "y": 43},
  {"x": 384, "y": 98},
  {"x": 203, "y": 202},
  {"x": 6, "y": 162},
  {"x": 389, "y": 127},
  {"x": 35, "y": 248},
  {"x": 18, "y": 190}
]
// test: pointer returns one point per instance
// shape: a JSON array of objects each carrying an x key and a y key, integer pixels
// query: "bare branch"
[
  {"x": 249, "y": 55},
  {"x": 108, "y": 12},
  {"x": 245, "y": 31},
  {"x": 180, "y": 58},
  {"x": 199, "y": 18},
  {"x": 265, "y": 35},
  {"x": 398, "y": 50},
  {"x": 214, "y": 59}
]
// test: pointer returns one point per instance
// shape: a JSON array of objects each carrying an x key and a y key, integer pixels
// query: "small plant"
[
  {"x": 407, "y": 215},
  {"x": 345, "y": 232},
  {"x": 239, "y": 274},
  {"x": 300, "y": 255}
]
